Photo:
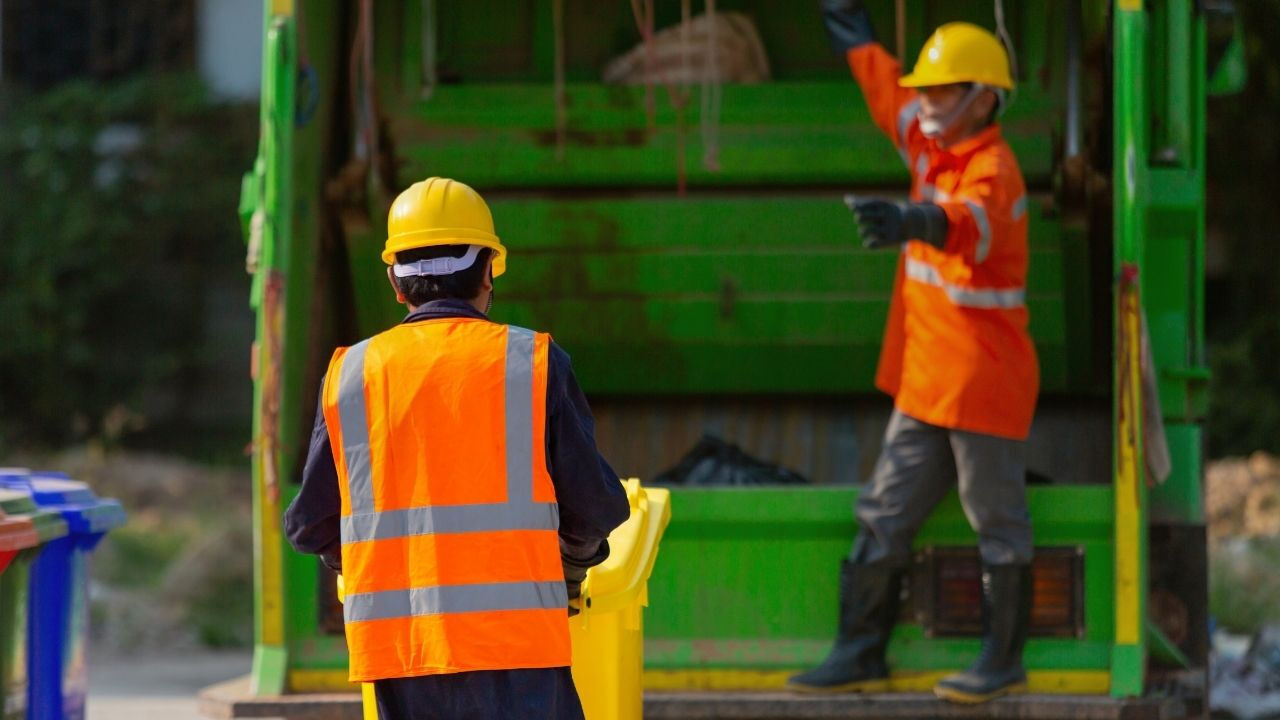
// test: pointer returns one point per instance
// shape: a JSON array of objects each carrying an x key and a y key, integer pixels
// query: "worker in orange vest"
[
  {"x": 453, "y": 479},
  {"x": 957, "y": 358}
]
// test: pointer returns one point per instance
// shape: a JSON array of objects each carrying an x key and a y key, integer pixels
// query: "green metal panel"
[
  {"x": 512, "y": 40},
  {"x": 658, "y": 294},
  {"x": 746, "y": 579},
  {"x": 776, "y": 134},
  {"x": 497, "y": 127},
  {"x": 1172, "y": 249},
  {"x": 668, "y": 295},
  {"x": 1181, "y": 498},
  {"x": 1173, "y": 254}
]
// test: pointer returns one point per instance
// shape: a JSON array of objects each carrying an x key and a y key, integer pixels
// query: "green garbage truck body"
[{"x": 686, "y": 243}]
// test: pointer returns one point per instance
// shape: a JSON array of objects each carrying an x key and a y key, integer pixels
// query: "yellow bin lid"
[{"x": 622, "y": 579}]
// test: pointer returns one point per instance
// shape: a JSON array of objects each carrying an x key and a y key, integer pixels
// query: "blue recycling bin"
[
  {"x": 58, "y": 632},
  {"x": 20, "y": 549}
]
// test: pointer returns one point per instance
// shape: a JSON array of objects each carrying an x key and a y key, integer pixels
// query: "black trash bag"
[
  {"x": 1036, "y": 478},
  {"x": 714, "y": 462}
]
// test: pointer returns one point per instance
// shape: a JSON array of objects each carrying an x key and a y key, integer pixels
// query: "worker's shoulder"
[
  {"x": 996, "y": 158},
  {"x": 557, "y": 355},
  {"x": 1000, "y": 149}
]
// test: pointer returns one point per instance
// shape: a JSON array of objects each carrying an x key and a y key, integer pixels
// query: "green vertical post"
[
  {"x": 1129, "y": 180},
  {"x": 1179, "y": 64},
  {"x": 269, "y": 238}
]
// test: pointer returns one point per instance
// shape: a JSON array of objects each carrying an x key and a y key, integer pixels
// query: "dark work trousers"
[
  {"x": 534, "y": 694},
  {"x": 918, "y": 465}
]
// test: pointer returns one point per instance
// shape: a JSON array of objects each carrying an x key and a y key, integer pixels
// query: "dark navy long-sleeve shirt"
[{"x": 592, "y": 503}]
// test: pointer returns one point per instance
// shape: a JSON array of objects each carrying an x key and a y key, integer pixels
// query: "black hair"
[
  {"x": 994, "y": 115},
  {"x": 462, "y": 285},
  {"x": 995, "y": 109}
]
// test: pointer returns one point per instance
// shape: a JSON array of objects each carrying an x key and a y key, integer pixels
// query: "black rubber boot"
[
  {"x": 1006, "y": 610},
  {"x": 868, "y": 608}
]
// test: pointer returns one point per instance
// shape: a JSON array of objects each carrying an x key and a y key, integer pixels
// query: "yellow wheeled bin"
[
  {"x": 367, "y": 699},
  {"x": 608, "y": 631}
]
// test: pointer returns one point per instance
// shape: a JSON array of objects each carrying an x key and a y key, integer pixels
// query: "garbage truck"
[{"x": 668, "y": 176}]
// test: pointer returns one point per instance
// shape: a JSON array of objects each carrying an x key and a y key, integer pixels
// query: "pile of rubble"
[{"x": 1242, "y": 497}]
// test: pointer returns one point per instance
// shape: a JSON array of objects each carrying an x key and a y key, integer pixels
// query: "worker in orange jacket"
[
  {"x": 957, "y": 358},
  {"x": 453, "y": 479}
]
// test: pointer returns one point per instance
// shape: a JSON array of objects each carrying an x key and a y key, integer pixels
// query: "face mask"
[{"x": 934, "y": 128}]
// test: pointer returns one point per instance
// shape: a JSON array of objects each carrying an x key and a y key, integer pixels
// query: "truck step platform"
[{"x": 232, "y": 699}]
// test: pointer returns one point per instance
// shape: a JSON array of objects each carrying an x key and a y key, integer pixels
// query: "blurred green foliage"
[
  {"x": 1244, "y": 563},
  {"x": 118, "y": 215},
  {"x": 1243, "y": 300},
  {"x": 1244, "y": 397}
]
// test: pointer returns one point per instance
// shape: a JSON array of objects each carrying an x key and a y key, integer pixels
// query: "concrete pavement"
[{"x": 142, "y": 687}]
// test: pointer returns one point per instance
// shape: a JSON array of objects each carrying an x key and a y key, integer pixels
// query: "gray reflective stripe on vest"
[
  {"x": 1019, "y": 208},
  {"x": 519, "y": 411},
  {"x": 981, "y": 298},
  {"x": 520, "y": 512},
  {"x": 454, "y": 599},
  {"x": 984, "y": 229},
  {"x": 922, "y": 165},
  {"x": 448, "y": 520},
  {"x": 931, "y": 193},
  {"x": 905, "y": 116},
  {"x": 354, "y": 417}
]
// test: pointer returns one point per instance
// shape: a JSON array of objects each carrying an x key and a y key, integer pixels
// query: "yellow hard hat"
[
  {"x": 958, "y": 53},
  {"x": 440, "y": 211}
]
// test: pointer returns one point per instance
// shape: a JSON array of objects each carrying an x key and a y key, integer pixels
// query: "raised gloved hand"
[
  {"x": 848, "y": 24},
  {"x": 884, "y": 224}
]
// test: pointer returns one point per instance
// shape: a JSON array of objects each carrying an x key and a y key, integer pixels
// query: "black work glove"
[
  {"x": 574, "y": 574},
  {"x": 884, "y": 224},
  {"x": 332, "y": 557},
  {"x": 575, "y": 569},
  {"x": 848, "y": 24}
]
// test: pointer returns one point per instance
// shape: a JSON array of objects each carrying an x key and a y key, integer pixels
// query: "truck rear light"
[{"x": 947, "y": 587}]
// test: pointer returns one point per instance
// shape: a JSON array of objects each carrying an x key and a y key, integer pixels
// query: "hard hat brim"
[
  {"x": 922, "y": 80},
  {"x": 437, "y": 237}
]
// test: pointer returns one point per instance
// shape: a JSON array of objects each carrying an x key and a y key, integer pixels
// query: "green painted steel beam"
[
  {"x": 658, "y": 294},
  {"x": 776, "y": 134},
  {"x": 1131, "y": 191},
  {"x": 270, "y": 248},
  {"x": 668, "y": 295},
  {"x": 747, "y": 538},
  {"x": 744, "y": 538},
  {"x": 310, "y": 310},
  {"x": 1180, "y": 499},
  {"x": 499, "y": 41}
]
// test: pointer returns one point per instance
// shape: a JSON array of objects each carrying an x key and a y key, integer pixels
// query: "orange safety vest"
[
  {"x": 450, "y": 546},
  {"x": 956, "y": 350}
]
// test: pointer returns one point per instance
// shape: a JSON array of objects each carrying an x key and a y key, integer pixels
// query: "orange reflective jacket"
[
  {"x": 450, "y": 550},
  {"x": 956, "y": 348}
]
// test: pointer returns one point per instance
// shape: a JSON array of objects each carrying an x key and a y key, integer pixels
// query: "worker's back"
[{"x": 449, "y": 517}]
